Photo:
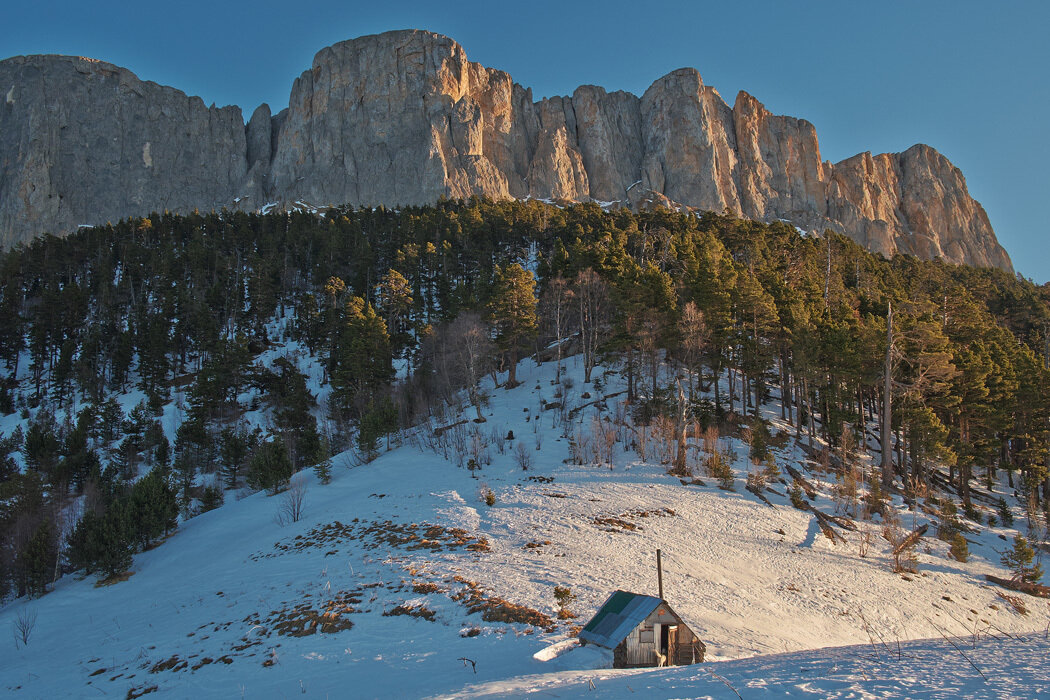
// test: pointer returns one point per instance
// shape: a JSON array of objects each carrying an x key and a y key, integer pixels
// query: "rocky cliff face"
[
  {"x": 83, "y": 142},
  {"x": 405, "y": 118}
]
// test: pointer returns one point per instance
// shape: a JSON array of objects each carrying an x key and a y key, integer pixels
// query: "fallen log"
[
  {"x": 944, "y": 483},
  {"x": 440, "y": 430},
  {"x": 911, "y": 540},
  {"x": 1033, "y": 589},
  {"x": 844, "y": 523},
  {"x": 826, "y": 528},
  {"x": 760, "y": 495},
  {"x": 811, "y": 491},
  {"x": 825, "y": 522},
  {"x": 600, "y": 401},
  {"x": 814, "y": 455}
]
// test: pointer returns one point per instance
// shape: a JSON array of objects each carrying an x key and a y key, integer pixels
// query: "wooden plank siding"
[{"x": 640, "y": 648}]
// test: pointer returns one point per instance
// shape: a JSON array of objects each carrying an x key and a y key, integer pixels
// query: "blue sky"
[{"x": 968, "y": 78}]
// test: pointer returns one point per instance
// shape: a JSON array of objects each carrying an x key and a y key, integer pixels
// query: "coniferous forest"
[{"x": 403, "y": 312}]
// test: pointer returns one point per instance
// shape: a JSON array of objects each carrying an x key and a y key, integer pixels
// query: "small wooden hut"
[{"x": 642, "y": 630}]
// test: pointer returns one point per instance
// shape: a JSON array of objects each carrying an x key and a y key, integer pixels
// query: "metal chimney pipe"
[{"x": 659, "y": 574}]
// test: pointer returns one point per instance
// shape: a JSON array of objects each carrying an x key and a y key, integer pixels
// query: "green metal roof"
[
  {"x": 615, "y": 605},
  {"x": 620, "y": 614}
]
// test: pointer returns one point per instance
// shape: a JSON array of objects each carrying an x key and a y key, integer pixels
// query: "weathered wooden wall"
[{"x": 633, "y": 652}]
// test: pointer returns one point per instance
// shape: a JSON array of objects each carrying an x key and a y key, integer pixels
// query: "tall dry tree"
[
  {"x": 693, "y": 331},
  {"x": 462, "y": 352},
  {"x": 887, "y": 402},
  {"x": 473, "y": 358},
  {"x": 555, "y": 303},
  {"x": 592, "y": 305},
  {"x": 680, "y": 433}
]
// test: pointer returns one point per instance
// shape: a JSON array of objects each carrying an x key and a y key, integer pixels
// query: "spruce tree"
[{"x": 1020, "y": 561}]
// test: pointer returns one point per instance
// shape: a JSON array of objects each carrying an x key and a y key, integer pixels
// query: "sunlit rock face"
[{"x": 404, "y": 118}]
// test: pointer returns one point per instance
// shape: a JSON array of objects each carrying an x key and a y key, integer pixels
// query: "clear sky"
[{"x": 968, "y": 78}]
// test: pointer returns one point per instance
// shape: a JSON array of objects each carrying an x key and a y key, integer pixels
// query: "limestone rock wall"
[
  {"x": 404, "y": 118},
  {"x": 85, "y": 142}
]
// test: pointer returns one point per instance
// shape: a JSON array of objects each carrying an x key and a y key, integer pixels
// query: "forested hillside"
[{"x": 398, "y": 314}]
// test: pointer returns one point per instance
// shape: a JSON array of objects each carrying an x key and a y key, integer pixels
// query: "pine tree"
[
  {"x": 42, "y": 446},
  {"x": 394, "y": 299},
  {"x": 36, "y": 560},
  {"x": 153, "y": 507},
  {"x": 270, "y": 467},
  {"x": 378, "y": 420},
  {"x": 323, "y": 468},
  {"x": 512, "y": 312},
  {"x": 9, "y": 445},
  {"x": 101, "y": 543},
  {"x": 361, "y": 361},
  {"x": 1020, "y": 561},
  {"x": 235, "y": 444}
]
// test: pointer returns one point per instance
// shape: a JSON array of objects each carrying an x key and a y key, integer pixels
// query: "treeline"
[{"x": 182, "y": 306}]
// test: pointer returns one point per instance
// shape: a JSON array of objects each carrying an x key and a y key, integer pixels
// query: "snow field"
[{"x": 752, "y": 580}]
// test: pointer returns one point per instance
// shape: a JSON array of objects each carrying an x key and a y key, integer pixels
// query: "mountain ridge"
[{"x": 404, "y": 118}]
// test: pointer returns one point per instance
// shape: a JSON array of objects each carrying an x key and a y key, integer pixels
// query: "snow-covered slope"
[
  {"x": 1007, "y": 668},
  {"x": 383, "y": 588}
]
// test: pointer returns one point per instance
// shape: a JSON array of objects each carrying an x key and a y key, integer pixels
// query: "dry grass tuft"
[
  {"x": 412, "y": 611},
  {"x": 496, "y": 609},
  {"x": 115, "y": 578},
  {"x": 622, "y": 524},
  {"x": 426, "y": 587},
  {"x": 384, "y": 534},
  {"x": 172, "y": 663},
  {"x": 303, "y": 619}
]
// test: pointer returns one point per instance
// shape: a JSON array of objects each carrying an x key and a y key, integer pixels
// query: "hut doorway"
[{"x": 669, "y": 642}]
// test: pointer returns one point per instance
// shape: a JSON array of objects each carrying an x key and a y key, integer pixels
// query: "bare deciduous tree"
[
  {"x": 292, "y": 502},
  {"x": 605, "y": 438},
  {"x": 458, "y": 441},
  {"x": 650, "y": 341},
  {"x": 524, "y": 456},
  {"x": 886, "y": 427},
  {"x": 462, "y": 355},
  {"x": 664, "y": 433},
  {"x": 23, "y": 625},
  {"x": 592, "y": 304},
  {"x": 579, "y": 445},
  {"x": 692, "y": 328},
  {"x": 680, "y": 434},
  {"x": 479, "y": 447},
  {"x": 554, "y": 308}
]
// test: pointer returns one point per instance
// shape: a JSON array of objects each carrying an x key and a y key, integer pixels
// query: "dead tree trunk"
[
  {"x": 827, "y": 274},
  {"x": 680, "y": 457},
  {"x": 1033, "y": 589},
  {"x": 887, "y": 403}
]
